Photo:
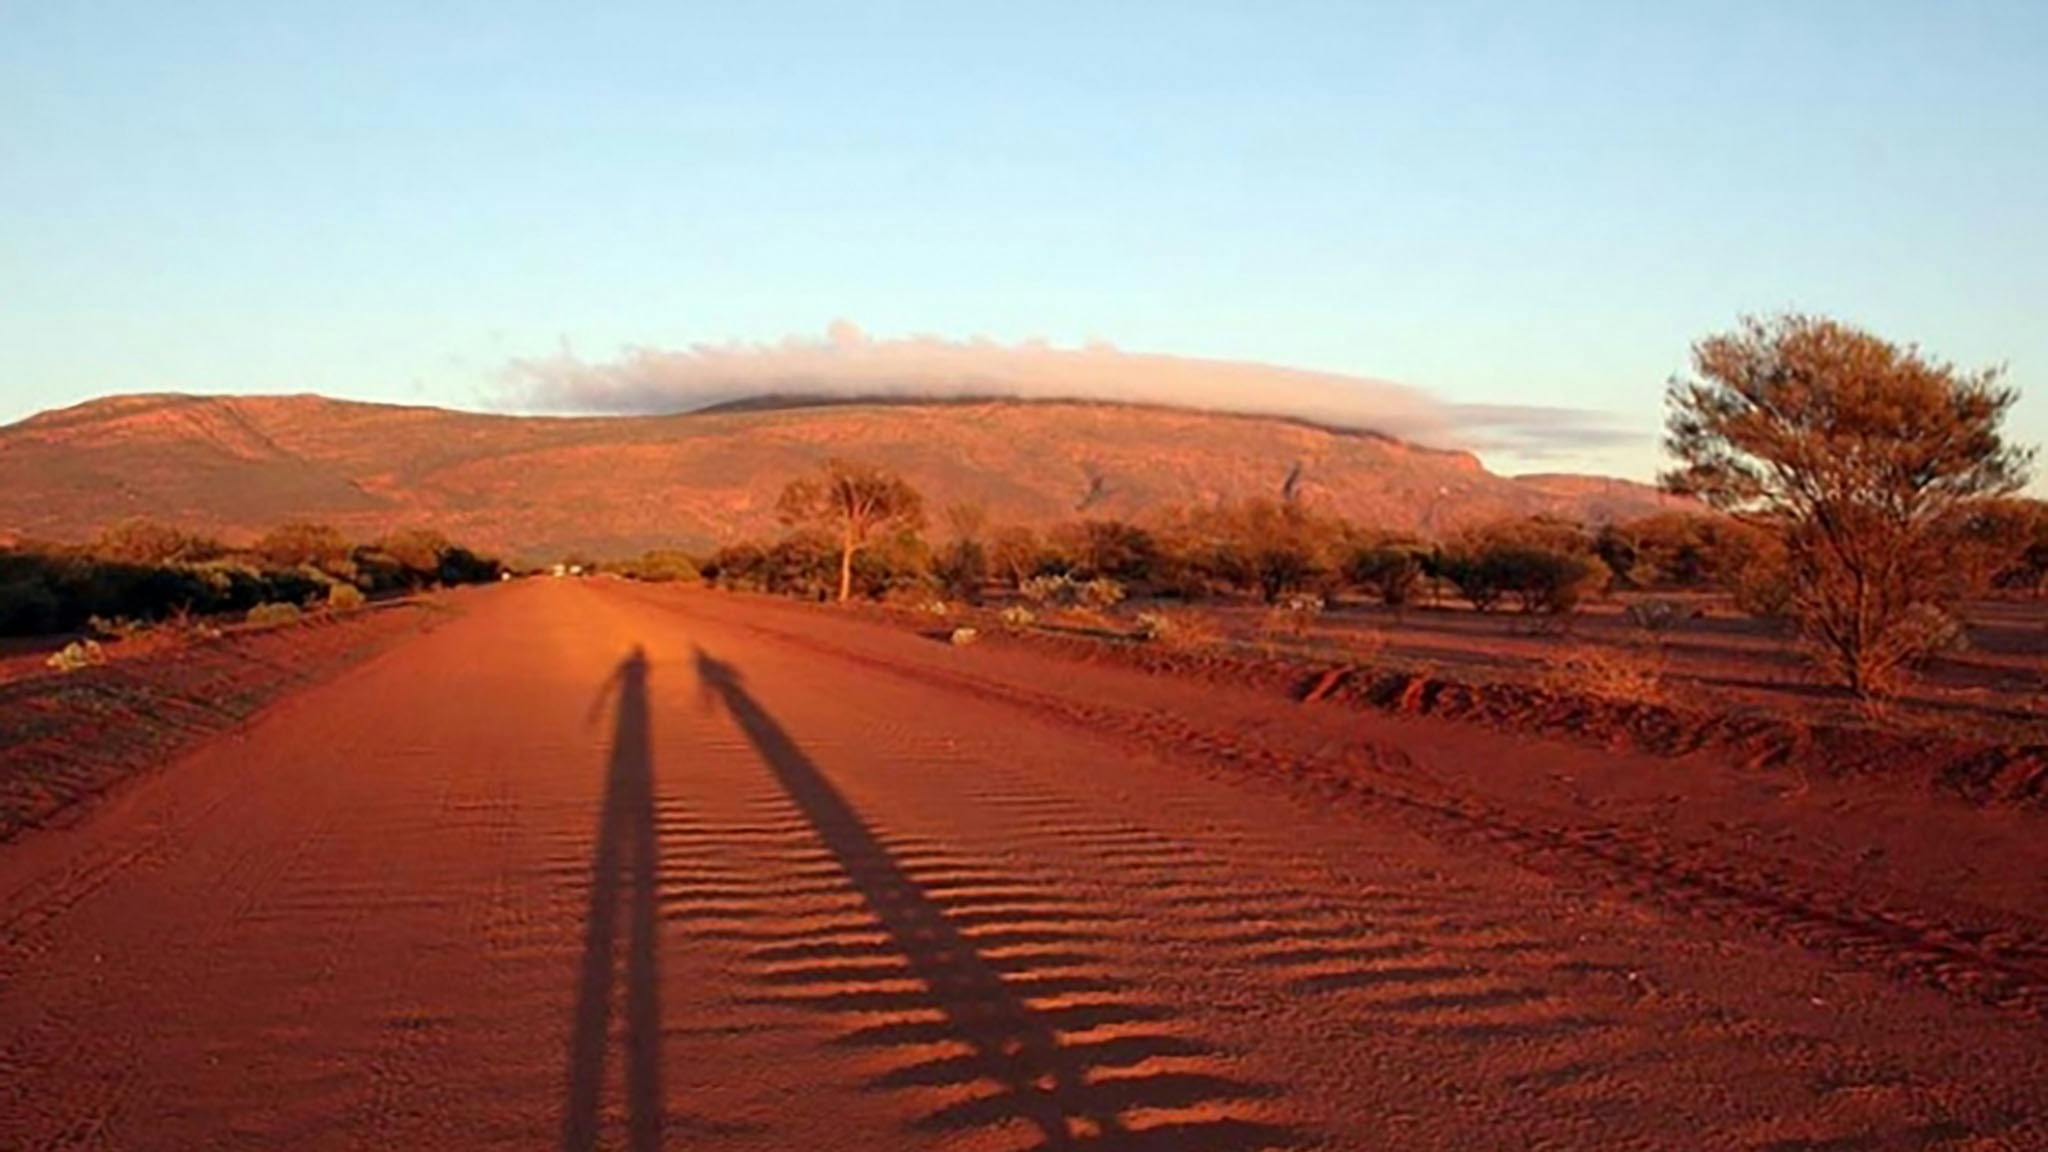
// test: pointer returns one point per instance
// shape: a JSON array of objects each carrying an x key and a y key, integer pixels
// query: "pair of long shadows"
[{"x": 1042, "y": 1082}]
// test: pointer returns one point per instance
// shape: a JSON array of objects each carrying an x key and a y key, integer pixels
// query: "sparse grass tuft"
[
  {"x": 1176, "y": 629},
  {"x": 275, "y": 613},
  {"x": 1633, "y": 674},
  {"x": 77, "y": 655}
]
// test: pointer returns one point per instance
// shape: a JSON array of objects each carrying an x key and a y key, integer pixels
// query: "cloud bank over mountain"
[{"x": 847, "y": 363}]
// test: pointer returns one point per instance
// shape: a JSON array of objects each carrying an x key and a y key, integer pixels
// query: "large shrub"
[
  {"x": 1269, "y": 548},
  {"x": 1106, "y": 549},
  {"x": 303, "y": 544},
  {"x": 1544, "y": 567},
  {"x": 661, "y": 566},
  {"x": 1391, "y": 573},
  {"x": 1863, "y": 460}
]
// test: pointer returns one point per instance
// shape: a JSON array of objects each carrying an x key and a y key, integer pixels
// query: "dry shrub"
[
  {"x": 344, "y": 598},
  {"x": 77, "y": 655},
  {"x": 185, "y": 627},
  {"x": 1632, "y": 674},
  {"x": 1293, "y": 616},
  {"x": 1366, "y": 645},
  {"x": 274, "y": 613},
  {"x": 1885, "y": 665},
  {"x": 118, "y": 628},
  {"x": 1654, "y": 617},
  {"x": 1177, "y": 629}
]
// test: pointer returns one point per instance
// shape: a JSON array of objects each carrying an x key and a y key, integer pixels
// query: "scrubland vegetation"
[
  {"x": 1852, "y": 493},
  {"x": 141, "y": 572}
]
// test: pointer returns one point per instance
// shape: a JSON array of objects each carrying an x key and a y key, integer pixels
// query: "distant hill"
[{"x": 538, "y": 487}]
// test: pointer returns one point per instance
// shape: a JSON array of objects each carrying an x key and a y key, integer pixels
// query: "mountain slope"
[{"x": 537, "y": 487}]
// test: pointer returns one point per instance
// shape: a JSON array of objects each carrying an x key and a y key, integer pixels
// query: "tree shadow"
[
  {"x": 1047, "y": 1063},
  {"x": 622, "y": 870}
]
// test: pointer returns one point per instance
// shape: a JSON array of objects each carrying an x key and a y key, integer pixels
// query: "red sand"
[{"x": 791, "y": 881}]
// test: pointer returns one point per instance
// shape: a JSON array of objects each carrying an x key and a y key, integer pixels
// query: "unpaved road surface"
[{"x": 600, "y": 866}]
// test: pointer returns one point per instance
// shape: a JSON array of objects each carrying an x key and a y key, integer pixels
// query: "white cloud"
[{"x": 848, "y": 364}]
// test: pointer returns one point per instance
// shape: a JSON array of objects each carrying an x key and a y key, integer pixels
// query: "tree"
[
  {"x": 418, "y": 551},
  {"x": 2027, "y": 571},
  {"x": 1271, "y": 547},
  {"x": 854, "y": 502},
  {"x": 962, "y": 566},
  {"x": 1016, "y": 554},
  {"x": 302, "y": 544},
  {"x": 1863, "y": 459},
  {"x": 1391, "y": 571},
  {"x": 1109, "y": 549},
  {"x": 148, "y": 542}
]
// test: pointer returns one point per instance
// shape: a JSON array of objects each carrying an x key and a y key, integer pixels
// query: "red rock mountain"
[{"x": 537, "y": 487}]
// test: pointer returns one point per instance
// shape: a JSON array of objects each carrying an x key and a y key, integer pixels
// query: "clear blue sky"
[{"x": 1501, "y": 204}]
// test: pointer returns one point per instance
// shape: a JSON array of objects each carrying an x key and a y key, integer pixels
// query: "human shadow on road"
[
  {"x": 622, "y": 870},
  {"x": 1048, "y": 1078}
]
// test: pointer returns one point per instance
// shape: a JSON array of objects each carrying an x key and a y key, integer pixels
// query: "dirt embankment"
[
  {"x": 66, "y": 737},
  {"x": 1983, "y": 772}
]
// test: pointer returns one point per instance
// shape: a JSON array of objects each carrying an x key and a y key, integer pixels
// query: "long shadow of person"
[
  {"x": 622, "y": 867},
  {"x": 1045, "y": 1083}
]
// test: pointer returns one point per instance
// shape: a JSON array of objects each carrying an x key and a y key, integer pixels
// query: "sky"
[{"x": 1515, "y": 213}]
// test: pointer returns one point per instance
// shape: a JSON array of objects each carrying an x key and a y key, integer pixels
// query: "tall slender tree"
[{"x": 855, "y": 502}]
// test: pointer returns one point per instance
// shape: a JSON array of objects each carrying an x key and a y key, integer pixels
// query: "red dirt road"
[{"x": 600, "y": 866}]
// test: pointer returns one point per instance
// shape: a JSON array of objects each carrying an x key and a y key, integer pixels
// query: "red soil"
[
  {"x": 602, "y": 864},
  {"x": 1718, "y": 660},
  {"x": 67, "y": 736}
]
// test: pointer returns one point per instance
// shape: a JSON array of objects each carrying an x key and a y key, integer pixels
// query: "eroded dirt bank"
[
  {"x": 602, "y": 866},
  {"x": 68, "y": 737}
]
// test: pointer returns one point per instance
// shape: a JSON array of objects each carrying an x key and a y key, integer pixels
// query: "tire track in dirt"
[{"x": 2007, "y": 968}]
